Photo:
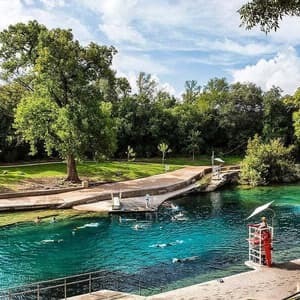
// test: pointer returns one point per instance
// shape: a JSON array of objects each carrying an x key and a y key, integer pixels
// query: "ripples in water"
[{"x": 213, "y": 234}]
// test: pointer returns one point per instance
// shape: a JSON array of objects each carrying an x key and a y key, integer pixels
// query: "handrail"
[
  {"x": 106, "y": 277},
  {"x": 59, "y": 278},
  {"x": 290, "y": 297}
]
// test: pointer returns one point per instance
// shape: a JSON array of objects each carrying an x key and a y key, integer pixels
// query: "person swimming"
[
  {"x": 137, "y": 227},
  {"x": 89, "y": 225},
  {"x": 52, "y": 241},
  {"x": 163, "y": 245},
  {"x": 186, "y": 259},
  {"x": 179, "y": 217},
  {"x": 174, "y": 207}
]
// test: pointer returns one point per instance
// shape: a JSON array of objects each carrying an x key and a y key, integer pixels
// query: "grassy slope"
[{"x": 103, "y": 171}]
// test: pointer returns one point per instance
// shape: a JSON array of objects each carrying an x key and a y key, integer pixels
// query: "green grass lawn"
[
  {"x": 11, "y": 177},
  {"x": 103, "y": 171},
  {"x": 9, "y": 218}
]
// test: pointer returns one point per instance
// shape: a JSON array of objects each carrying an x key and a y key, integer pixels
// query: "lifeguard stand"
[
  {"x": 261, "y": 239},
  {"x": 260, "y": 244}
]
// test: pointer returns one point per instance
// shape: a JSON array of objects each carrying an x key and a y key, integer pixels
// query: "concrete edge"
[
  {"x": 138, "y": 192},
  {"x": 38, "y": 193}
]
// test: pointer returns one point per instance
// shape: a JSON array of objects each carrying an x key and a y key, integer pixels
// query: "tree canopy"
[
  {"x": 63, "y": 98},
  {"x": 64, "y": 105},
  {"x": 267, "y": 13}
]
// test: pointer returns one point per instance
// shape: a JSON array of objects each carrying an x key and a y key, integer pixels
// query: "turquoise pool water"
[{"x": 213, "y": 232}]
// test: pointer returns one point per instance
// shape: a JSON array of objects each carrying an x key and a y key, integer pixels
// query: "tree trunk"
[
  {"x": 193, "y": 155},
  {"x": 71, "y": 169}
]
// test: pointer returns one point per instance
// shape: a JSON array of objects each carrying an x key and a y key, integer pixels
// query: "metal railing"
[
  {"x": 295, "y": 296},
  {"x": 63, "y": 288}
]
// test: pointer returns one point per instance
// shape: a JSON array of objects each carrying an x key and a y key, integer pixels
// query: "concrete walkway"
[
  {"x": 107, "y": 295},
  {"x": 265, "y": 283},
  {"x": 135, "y": 204},
  {"x": 153, "y": 185}
]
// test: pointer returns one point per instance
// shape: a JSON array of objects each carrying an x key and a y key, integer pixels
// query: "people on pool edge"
[{"x": 37, "y": 220}]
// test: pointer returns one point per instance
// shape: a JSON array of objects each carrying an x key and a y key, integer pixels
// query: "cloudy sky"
[{"x": 175, "y": 40}]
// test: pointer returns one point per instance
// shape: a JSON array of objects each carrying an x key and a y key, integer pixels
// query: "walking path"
[
  {"x": 135, "y": 204},
  {"x": 153, "y": 185},
  {"x": 278, "y": 282},
  {"x": 31, "y": 164}
]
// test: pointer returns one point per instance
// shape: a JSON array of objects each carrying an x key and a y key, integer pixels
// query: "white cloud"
[
  {"x": 283, "y": 70},
  {"x": 228, "y": 45},
  {"x": 132, "y": 74},
  {"x": 16, "y": 12},
  {"x": 288, "y": 33},
  {"x": 119, "y": 33},
  {"x": 133, "y": 20},
  {"x": 125, "y": 63},
  {"x": 129, "y": 66},
  {"x": 50, "y": 4},
  {"x": 215, "y": 59},
  {"x": 117, "y": 16}
]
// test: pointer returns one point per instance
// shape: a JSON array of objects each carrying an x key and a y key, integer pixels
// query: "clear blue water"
[{"x": 214, "y": 233}]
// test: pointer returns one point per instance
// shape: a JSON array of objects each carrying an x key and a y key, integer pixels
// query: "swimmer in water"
[
  {"x": 182, "y": 260},
  {"x": 137, "y": 227},
  {"x": 52, "y": 241}
]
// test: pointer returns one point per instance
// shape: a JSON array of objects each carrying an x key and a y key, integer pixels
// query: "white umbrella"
[
  {"x": 260, "y": 209},
  {"x": 219, "y": 160}
]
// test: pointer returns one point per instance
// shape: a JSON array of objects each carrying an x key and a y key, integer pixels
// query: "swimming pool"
[{"x": 211, "y": 233}]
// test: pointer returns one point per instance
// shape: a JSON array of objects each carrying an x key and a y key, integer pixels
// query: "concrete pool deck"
[
  {"x": 278, "y": 282},
  {"x": 134, "y": 204},
  {"x": 153, "y": 185}
]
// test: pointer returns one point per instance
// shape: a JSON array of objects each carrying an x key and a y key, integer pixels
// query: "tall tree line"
[{"x": 60, "y": 98}]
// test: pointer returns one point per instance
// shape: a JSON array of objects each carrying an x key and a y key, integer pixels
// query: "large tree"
[
  {"x": 192, "y": 91},
  {"x": 10, "y": 144},
  {"x": 240, "y": 115},
  {"x": 267, "y": 13},
  {"x": 65, "y": 106},
  {"x": 277, "y": 117}
]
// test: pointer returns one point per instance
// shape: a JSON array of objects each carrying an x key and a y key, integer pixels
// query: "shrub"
[{"x": 267, "y": 163}]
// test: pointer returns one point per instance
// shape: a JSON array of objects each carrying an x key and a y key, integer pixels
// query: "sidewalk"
[
  {"x": 153, "y": 185},
  {"x": 264, "y": 283},
  {"x": 278, "y": 282}
]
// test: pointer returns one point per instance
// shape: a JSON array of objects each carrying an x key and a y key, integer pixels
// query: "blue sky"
[{"x": 174, "y": 40}]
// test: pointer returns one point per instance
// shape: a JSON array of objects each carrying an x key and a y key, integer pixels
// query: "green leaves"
[
  {"x": 35, "y": 120},
  {"x": 164, "y": 149},
  {"x": 267, "y": 163},
  {"x": 18, "y": 48},
  {"x": 63, "y": 107},
  {"x": 267, "y": 13},
  {"x": 130, "y": 153}
]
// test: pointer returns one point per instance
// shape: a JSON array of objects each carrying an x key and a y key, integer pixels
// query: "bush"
[{"x": 267, "y": 163}]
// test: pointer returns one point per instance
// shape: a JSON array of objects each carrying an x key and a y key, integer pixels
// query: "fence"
[{"x": 63, "y": 288}]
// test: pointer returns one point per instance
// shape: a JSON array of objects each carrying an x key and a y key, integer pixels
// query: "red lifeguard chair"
[{"x": 261, "y": 239}]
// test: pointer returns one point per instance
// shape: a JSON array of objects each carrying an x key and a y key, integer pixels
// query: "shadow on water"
[{"x": 147, "y": 281}]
